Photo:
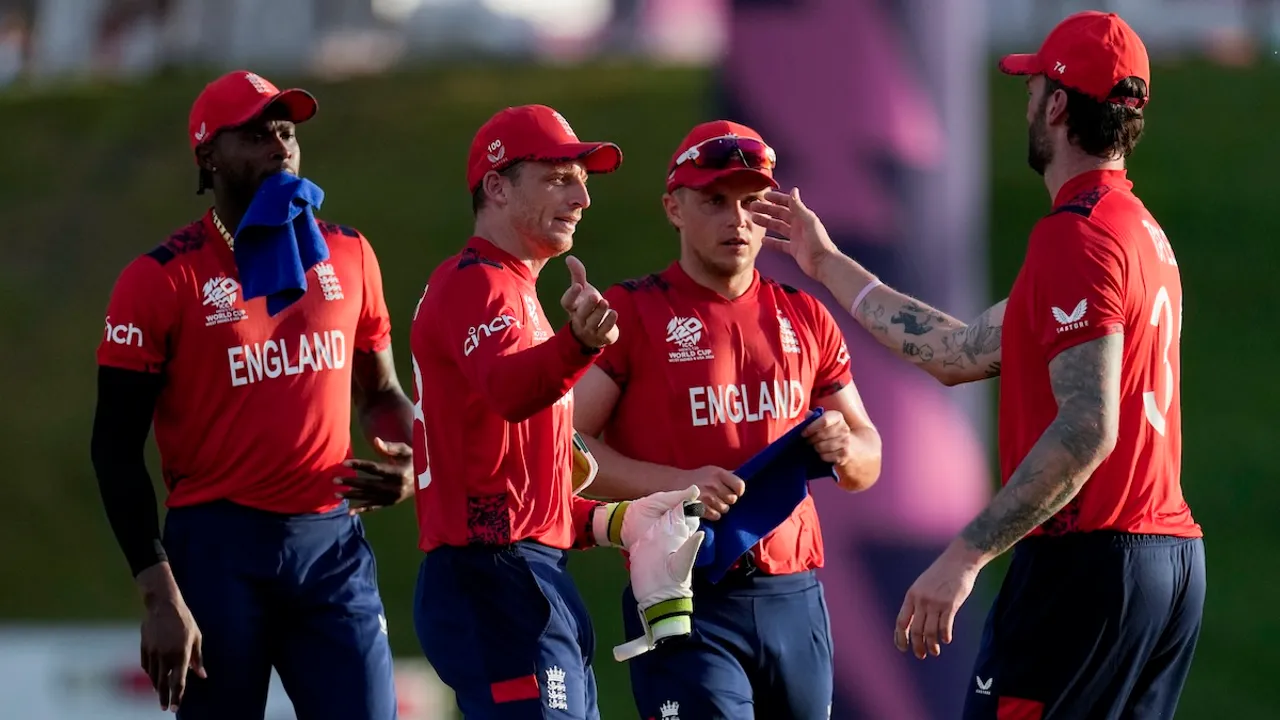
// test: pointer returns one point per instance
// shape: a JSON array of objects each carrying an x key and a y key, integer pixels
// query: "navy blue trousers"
[
  {"x": 295, "y": 592},
  {"x": 506, "y": 630},
  {"x": 761, "y": 648},
  {"x": 1091, "y": 626}
]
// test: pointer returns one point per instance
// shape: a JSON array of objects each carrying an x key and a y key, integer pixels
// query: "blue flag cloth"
[
  {"x": 278, "y": 241},
  {"x": 777, "y": 480}
]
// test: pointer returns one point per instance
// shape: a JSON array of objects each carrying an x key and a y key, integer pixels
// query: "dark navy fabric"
[
  {"x": 1091, "y": 626},
  {"x": 295, "y": 592},
  {"x": 506, "y": 629}
]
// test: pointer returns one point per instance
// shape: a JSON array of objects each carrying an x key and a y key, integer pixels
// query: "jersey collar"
[
  {"x": 1093, "y": 178},
  {"x": 489, "y": 251},
  {"x": 677, "y": 277}
]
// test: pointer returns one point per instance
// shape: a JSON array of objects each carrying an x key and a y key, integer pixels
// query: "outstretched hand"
[{"x": 798, "y": 230}]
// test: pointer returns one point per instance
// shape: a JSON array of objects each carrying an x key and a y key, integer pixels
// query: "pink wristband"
[{"x": 853, "y": 309}]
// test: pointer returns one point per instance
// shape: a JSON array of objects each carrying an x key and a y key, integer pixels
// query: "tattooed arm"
[
  {"x": 948, "y": 349},
  {"x": 1086, "y": 383}
]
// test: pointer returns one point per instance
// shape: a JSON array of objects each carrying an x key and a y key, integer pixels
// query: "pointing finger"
[{"x": 577, "y": 271}]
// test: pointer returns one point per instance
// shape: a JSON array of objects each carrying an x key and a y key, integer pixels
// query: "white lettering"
[
  {"x": 721, "y": 404},
  {"x": 733, "y": 402},
  {"x": 320, "y": 352},
  {"x": 1164, "y": 250},
  {"x": 123, "y": 334},
  {"x": 284, "y": 358},
  {"x": 475, "y": 334},
  {"x": 751, "y": 416},
  {"x": 696, "y": 404},
  {"x": 305, "y": 359},
  {"x": 232, "y": 354},
  {"x": 798, "y": 400},
  {"x": 271, "y": 358},
  {"x": 766, "y": 402}
]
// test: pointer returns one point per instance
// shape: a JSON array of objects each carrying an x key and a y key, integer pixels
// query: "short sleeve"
[
  {"x": 142, "y": 316},
  {"x": 1077, "y": 282},
  {"x": 834, "y": 373},
  {"x": 615, "y": 360},
  {"x": 373, "y": 329}
]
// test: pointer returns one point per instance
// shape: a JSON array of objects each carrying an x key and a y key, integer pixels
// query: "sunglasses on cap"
[{"x": 721, "y": 152}]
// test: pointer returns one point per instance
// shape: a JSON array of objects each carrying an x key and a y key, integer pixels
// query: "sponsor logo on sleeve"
[{"x": 126, "y": 334}]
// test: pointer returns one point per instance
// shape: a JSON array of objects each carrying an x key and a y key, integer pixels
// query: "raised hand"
[
  {"x": 590, "y": 318},
  {"x": 800, "y": 232}
]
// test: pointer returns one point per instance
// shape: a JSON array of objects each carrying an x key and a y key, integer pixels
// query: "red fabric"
[
  {"x": 686, "y": 175},
  {"x": 1090, "y": 51},
  {"x": 236, "y": 98},
  {"x": 493, "y": 407},
  {"x": 255, "y": 409},
  {"x": 533, "y": 132},
  {"x": 1098, "y": 265},
  {"x": 1009, "y": 708},
  {"x": 711, "y": 381},
  {"x": 521, "y": 688}
]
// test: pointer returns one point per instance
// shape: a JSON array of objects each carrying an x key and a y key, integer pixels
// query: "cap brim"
[
  {"x": 302, "y": 105},
  {"x": 697, "y": 178},
  {"x": 599, "y": 157},
  {"x": 1021, "y": 64}
]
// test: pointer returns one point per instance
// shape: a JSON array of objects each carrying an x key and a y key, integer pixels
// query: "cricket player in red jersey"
[
  {"x": 259, "y": 565},
  {"x": 1100, "y": 611},
  {"x": 496, "y": 612},
  {"x": 714, "y": 363}
]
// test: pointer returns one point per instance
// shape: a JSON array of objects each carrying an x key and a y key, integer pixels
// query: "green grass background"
[{"x": 94, "y": 175}]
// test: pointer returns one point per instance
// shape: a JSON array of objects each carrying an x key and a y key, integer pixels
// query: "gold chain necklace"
[{"x": 217, "y": 222}]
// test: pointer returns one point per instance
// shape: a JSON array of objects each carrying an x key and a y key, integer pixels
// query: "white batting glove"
[
  {"x": 662, "y": 560},
  {"x": 618, "y": 524}
]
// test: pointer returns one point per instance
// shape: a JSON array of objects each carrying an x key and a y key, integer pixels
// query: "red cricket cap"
[
  {"x": 687, "y": 175},
  {"x": 533, "y": 132},
  {"x": 238, "y": 97},
  {"x": 1090, "y": 52}
]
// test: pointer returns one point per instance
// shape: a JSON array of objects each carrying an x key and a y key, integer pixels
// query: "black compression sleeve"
[{"x": 126, "y": 402}]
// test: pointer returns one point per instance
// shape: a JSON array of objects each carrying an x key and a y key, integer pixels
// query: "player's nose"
[{"x": 579, "y": 195}]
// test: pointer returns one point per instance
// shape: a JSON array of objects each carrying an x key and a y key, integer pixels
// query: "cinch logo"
[
  {"x": 123, "y": 334},
  {"x": 498, "y": 324}
]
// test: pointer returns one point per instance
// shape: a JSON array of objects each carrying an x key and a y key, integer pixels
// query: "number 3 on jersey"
[
  {"x": 1162, "y": 320},
  {"x": 421, "y": 468}
]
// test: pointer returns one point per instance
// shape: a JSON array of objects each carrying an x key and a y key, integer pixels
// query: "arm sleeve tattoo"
[{"x": 1086, "y": 384}]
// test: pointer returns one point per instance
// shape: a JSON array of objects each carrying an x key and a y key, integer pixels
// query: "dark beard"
[{"x": 1039, "y": 149}]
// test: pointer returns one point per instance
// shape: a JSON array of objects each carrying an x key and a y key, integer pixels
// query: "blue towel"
[
  {"x": 777, "y": 481},
  {"x": 278, "y": 241}
]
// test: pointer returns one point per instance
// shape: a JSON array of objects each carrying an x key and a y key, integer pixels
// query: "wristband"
[{"x": 853, "y": 309}]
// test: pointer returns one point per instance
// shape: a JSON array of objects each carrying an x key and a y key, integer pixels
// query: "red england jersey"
[
  {"x": 711, "y": 381},
  {"x": 1100, "y": 264},
  {"x": 493, "y": 408},
  {"x": 255, "y": 409}
]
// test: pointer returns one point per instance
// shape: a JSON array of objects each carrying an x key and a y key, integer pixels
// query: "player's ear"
[
  {"x": 1055, "y": 111},
  {"x": 204, "y": 156},
  {"x": 671, "y": 204},
  {"x": 495, "y": 187}
]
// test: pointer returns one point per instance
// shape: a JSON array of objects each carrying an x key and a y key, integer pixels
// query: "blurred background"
[{"x": 889, "y": 114}]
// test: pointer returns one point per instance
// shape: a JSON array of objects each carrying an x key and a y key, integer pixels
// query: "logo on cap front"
[
  {"x": 258, "y": 83},
  {"x": 202, "y": 133},
  {"x": 565, "y": 124}
]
